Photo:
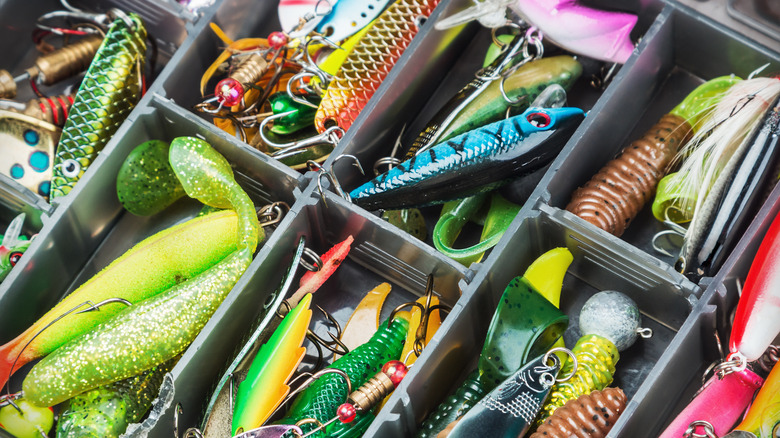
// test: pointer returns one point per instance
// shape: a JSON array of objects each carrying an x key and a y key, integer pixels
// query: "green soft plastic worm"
[
  {"x": 455, "y": 406},
  {"x": 321, "y": 399},
  {"x": 109, "y": 91},
  {"x": 106, "y": 411},
  {"x": 151, "y": 332}
]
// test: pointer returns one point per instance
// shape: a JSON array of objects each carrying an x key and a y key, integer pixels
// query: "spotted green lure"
[
  {"x": 155, "y": 330},
  {"x": 106, "y": 411},
  {"x": 321, "y": 399},
  {"x": 109, "y": 91}
]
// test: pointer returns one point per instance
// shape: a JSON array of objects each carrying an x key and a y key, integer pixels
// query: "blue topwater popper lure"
[{"x": 474, "y": 162}]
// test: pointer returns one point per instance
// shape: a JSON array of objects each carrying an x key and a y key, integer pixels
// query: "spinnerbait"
[
  {"x": 108, "y": 93},
  {"x": 474, "y": 162}
]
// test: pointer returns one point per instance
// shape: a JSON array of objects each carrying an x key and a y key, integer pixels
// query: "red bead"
[
  {"x": 395, "y": 370},
  {"x": 277, "y": 40},
  {"x": 229, "y": 92},
  {"x": 346, "y": 413}
]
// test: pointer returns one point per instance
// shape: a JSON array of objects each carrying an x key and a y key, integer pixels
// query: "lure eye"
[
  {"x": 14, "y": 257},
  {"x": 539, "y": 120},
  {"x": 71, "y": 168}
]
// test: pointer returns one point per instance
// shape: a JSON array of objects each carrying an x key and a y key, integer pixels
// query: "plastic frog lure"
[
  {"x": 474, "y": 162},
  {"x": 155, "y": 330},
  {"x": 109, "y": 91},
  {"x": 13, "y": 246}
]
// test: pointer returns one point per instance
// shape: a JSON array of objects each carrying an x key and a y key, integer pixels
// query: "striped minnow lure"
[
  {"x": 109, "y": 91},
  {"x": 370, "y": 62},
  {"x": 473, "y": 162}
]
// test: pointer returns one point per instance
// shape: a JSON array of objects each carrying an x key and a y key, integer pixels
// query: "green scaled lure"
[
  {"x": 109, "y": 91},
  {"x": 105, "y": 412},
  {"x": 321, "y": 399},
  {"x": 155, "y": 330}
]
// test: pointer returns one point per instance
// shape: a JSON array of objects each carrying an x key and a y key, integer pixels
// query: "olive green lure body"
[
  {"x": 455, "y": 406},
  {"x": 105, "y": 412},
  {"x": 109, "y": 91},
  {"x": 323, "y": 397}
]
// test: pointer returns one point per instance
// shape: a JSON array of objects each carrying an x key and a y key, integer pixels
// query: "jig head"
[{"x": 599, "y": 34}]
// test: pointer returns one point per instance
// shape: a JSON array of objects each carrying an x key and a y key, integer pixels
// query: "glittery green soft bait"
[
  {"x": 157, "y": 329},
  {"x": 106, "y": 411},
  {"x": 109, "y": 91}
]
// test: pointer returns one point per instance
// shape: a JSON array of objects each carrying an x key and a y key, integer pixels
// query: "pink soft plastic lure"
[
  {"x": 757, "y": 321},
  {"x": 595, "y": 33}
]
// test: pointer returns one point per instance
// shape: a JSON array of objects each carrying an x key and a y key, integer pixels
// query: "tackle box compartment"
[
  {"x": 679, "y": 52},
  {"x": 379, "y": 254}
]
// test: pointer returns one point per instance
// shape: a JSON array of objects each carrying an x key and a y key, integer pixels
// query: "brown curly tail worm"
[
  {"x": 612, "y": 198},
  {"x": 589, "y": 416}
]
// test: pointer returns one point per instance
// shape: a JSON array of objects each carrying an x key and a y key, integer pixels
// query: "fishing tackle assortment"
[{"x": 320, "y": 353}]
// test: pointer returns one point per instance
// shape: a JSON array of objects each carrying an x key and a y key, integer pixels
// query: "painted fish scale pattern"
[
  {"x": 596, "y": 359},
  {"x": 471, "y": 147},
  {"x": 108, "y": 93},
  {"x": 369, "y": 62},
  {"x": 321, "y": 399}
]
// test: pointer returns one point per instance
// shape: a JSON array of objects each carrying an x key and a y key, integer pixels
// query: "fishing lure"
[
  {"x": 157, "y": 329},
  {"x": 331, "y": 260},
  {"x": 482, "y": 102},
  {"x": 108, "y": 93},
  {"x": 364, "y": 320},
  {"x": 410, "y": 220},
  {"x": 456, "y": 214},
  {"x": 509, "y": 410},
  {"x": 52, "y": 110},
  {"x": 180, "y": 253},
  {"x": 28, "y": 150},
  {"x": 106, "y": 411},
  {"x": 616, "y": 194},
  {"x": 731, "y": 201},
  {"x": 599, "y": 34},
  {"x": 514, "y": 335},
  {"x": 757, "y": 318},
  {"x": 12, "y": 246},
  {"x": 717, "y": 406},
  {"x": 31, "y": 422},
  {"x": 609, "y": 322},
  {"x": 589, "y": 416},
  {"x": 370, "y": 62},
  {"x": 763, "y": 416},
  {"x": 322, "y": 398},
  {"x": 265, "y": 386},
  {"x": 474, "y": 162},
  {"x": 148, "y": 163},
  {"x": 349, "y": 16}
]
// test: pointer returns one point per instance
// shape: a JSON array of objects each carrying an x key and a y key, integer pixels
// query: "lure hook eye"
[{"x": 71, "y": 168}]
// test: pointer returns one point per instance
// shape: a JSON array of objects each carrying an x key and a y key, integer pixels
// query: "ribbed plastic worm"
[{"x": 589, "y": 416}]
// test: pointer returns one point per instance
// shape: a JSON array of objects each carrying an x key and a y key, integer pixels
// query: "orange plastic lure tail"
[
  {"x": 311, "y": 281},
  {"x": 369, "y": 63}
]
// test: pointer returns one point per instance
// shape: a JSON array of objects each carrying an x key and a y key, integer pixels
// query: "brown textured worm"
[
  {"x": 589, "y": 416},
  {"x": 612, "y": 198}
]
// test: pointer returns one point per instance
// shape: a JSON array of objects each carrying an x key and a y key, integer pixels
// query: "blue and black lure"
[{"x": 474, "y": 162}]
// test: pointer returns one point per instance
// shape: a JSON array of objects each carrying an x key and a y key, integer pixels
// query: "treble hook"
[
  {"x": 313, "y": 165},
  {"x": 426, "y": 310},
  {"x": 335, "y": 345},
  {"x": 675, "y": 230},
  {"x": 331, "y": 135}
]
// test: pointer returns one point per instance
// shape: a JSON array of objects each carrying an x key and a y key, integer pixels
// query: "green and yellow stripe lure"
[{"x": 109, "y": 91}]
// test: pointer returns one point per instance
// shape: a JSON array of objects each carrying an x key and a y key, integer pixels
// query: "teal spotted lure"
[
  {"x": 109, "y": 91},
  {"x": 474, "y": 162},
  {"x": 157, "y": 329}
]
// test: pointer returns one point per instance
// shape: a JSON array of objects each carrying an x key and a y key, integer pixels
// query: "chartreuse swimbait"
[
  {"x": 154, "y": 265},
  {"x": 157, "y": 329},
  {"x": 265, "y": 385},
  {"x": 321, "y": 399},
  {"x": 105, "y": 412},
  {"x": 109, "y": 91},
  {"x": 512, "y": 337},
  {"x": 474, "y": 162}
]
